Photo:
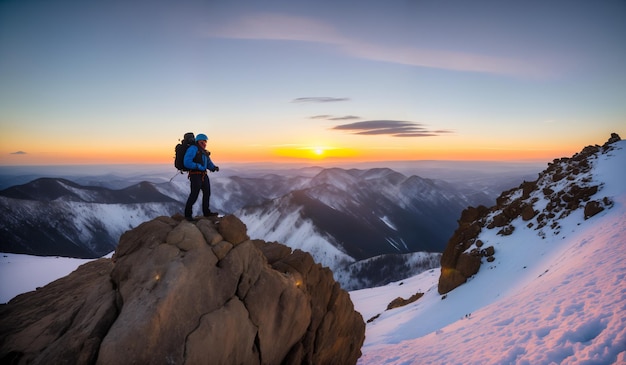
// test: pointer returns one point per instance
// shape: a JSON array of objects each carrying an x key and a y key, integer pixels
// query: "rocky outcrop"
[
  {"x": 177, "y": 292},
  {"x": 563, "y": 188}
]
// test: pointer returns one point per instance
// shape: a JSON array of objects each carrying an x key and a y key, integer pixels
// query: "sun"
[{"x": 314, "y": 152}]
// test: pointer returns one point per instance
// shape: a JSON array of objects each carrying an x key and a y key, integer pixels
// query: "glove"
[{"x": 216, "y": 169}]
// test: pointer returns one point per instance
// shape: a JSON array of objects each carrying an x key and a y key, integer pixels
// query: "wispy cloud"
[
  {"x": 346, "y": 117},
  {"x": 18, "y": 153},
  {"x": 269, "y": 26},
  {"x": 319, "y": 99},
  {"x": 395, "y": 128},
  {"x": 330, "y": 117},
  {"x": 321, "y": 116}
]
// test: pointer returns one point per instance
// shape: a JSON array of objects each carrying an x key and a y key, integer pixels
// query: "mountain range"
[{"x": 348, "y": 219}]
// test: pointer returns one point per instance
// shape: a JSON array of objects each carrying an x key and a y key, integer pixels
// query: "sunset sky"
[{"x": 97, "y": 82}]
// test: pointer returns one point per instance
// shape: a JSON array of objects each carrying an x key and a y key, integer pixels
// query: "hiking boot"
[
  {"x": 211, "y": 214},
  {"x": 190, "y": 219}
]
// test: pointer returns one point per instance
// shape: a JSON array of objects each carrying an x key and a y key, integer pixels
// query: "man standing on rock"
[{"x": 197, "y": 160}]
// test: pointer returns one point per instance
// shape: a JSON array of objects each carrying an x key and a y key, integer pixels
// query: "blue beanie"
[{"x": 201, "y": 137}]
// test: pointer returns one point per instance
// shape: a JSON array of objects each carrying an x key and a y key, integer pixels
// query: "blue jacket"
[{"x": 189, "y": 162}]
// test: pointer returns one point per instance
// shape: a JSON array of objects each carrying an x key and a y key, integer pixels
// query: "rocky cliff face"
[
  {"x": 177, "y": 292},
  {"x": 565, "y": 187}
]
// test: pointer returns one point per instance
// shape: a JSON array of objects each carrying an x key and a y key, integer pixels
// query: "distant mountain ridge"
[
  {"x": 340, "y": 216},
  {"x": 51, "y": 216},
  {"x": 51, "y": 189},
  {"x": 367, "y": 213},
  {"x": 345, "y": 216}
]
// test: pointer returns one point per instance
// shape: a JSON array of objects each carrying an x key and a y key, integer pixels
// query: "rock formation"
[
  {"x": 177, "y": 292},
  {"x": 566, "y": 185}
]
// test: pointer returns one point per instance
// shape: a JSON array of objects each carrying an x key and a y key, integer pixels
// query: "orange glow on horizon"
[
  {"x": 286, "y": 154},
  {"x": 314, "y": 153}
]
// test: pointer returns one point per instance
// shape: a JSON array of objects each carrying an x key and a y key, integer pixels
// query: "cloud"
[
  {"x": 270, "y": 26},
  {"x": 330, "y": 117},
  {"x": 283, "y": 27},
  {"x": 18, "y": 153},
  {"x": 347, "y": 117},
  {"x": 319, "y": 99},
  {"x": 395, "y": 128}
]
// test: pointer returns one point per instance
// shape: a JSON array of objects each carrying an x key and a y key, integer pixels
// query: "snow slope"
[
  {"x": 560, "y": 299},
  {"x": 23, "y": 273}
]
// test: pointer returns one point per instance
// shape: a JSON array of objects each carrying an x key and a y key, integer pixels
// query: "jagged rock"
[
  {"x": 459, "y": 260},
  {"x": 499, "y": 220},
  {"x": 401, "y": 302},
  {"x": 462, "y": 238},
  {"x": 468, "y": 265},
  {"x": 449, "y": 279},
  {"x": 528, "y": 212},
  {"x": 592, "y": 208},
  {"x": 527, "y": 188},
  {"x": 489, "y": 251},
  {"x": 506, "y": 230},
  {"x": 233, "y": 229},
  {"x": 182, "y": 293},
  {"x": 614, "y": 138},
  {"x": 470, "y": 214}
]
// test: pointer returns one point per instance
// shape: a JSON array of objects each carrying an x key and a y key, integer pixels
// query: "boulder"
[
  {"x": 592, "y": 208},
  {"x": 468, "y": 264},
  {"x": 182, "y": 292}
]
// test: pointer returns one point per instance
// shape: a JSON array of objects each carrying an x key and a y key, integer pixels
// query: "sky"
[{"x": 309, "y": 81}]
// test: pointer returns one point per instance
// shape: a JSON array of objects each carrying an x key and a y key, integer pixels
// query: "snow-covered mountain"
[
  {"x": 340, "y": 216},
  {"x": 553, "y": 295},
  {"x": 344, "y": 216},
  {"x": 58, "y": 217}
]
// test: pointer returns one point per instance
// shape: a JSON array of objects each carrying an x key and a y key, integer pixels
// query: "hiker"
[{"x": 197, "y": 160}]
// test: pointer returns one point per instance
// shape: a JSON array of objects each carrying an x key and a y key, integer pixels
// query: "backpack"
[{"x": 180, "y": 150}]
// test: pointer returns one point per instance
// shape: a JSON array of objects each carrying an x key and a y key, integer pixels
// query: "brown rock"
[
  {"x": 489, "y": 251},
  {"x": 221, "y": 249},
  {"x": 528, "y": 212},
  {"x": 614, "y": 138},
  {"x": 499, "y": 220},
  {"x": 232, "y": 229},
  {"x": 401, "y": 302},
  {"x": 449, "y": 279},
  {"x": 527, "y": 188},
  {"x": 506, "y": 230},
  {"x": 468, "y": 265},
  {"x": 592, "y": 208},
  {"x": 63, "y": 322},
  {"x": 210, "y": 233},
  {"x": 471, "y": 214},
  {"x": 171, "y": 296}
]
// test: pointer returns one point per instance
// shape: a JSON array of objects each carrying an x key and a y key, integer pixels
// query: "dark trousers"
[{"x": 198, "y": 182}]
